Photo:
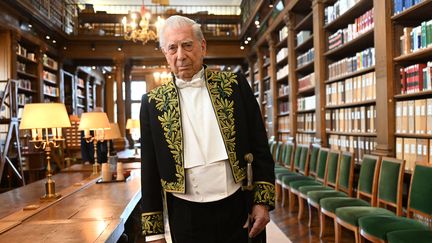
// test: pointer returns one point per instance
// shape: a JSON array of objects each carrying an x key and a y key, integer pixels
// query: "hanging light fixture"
[{"x": 136, "y": 26}]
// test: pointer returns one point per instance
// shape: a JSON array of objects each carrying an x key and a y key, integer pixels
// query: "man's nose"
[{"x": 180, "y": 53}]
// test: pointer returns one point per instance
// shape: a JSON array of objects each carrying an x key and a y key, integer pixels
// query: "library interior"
[{"x": 344, "y": 88}]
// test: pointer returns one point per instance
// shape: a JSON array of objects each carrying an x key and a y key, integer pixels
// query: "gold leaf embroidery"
[
  {"x": 264, "y": 193},
  {"x": 152, "y": 223}
]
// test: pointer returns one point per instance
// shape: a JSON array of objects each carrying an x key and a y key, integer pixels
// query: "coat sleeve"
[
  {"x": 151, "y": 190},
  {"x": 263, "y": 164}
]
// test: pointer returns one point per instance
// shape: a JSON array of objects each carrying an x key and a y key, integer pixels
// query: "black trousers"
[{"x": 213, "y": 222}]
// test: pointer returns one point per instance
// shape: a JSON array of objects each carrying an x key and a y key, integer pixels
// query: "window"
[{"x": 138, "y": 88}]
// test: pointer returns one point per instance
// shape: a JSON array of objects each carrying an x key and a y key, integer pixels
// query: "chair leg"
[
  {"x": 362, "y": 239},
  {"x": 284, "y": 196},
  {"x": 291, "y": 201},
  {"x": 322, "y": 224},
  {"x": 310, "y": 215},
  {"x": 278, "y": 189},
  {"x": 338, "y": 232},
  {"x": 300, "y": 207},
  {"x": 357, "y": 235}
]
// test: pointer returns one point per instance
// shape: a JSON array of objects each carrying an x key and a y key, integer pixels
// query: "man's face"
[{"x": 183, "y": 51}]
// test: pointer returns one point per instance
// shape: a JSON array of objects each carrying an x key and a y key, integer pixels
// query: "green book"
[
  {"x": 429, "y": 32},
  {"x": 423, "y": 35}
]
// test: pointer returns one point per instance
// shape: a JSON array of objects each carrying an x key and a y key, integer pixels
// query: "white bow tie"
[{"x": 194, "y": 83}]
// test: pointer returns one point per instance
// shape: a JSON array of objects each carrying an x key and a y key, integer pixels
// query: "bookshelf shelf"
[
  {"x": 52, "y": 82},
  {"x": 50, "y": 95},
  {"x": 28, "y": 75},
  {"x": 356, "y": 134},
  {"x": 306, "y": 68},
  {"x": 413, "y": 135},
  {"x": 266, "y": 78},
  {"x": 25, "y": 59},
  {"x": 417, "y": 95},
  {"x": 417, "y": 13},
  {"x": 283, "y": 97},
  {"x": 284, "y": 131},
  {"x": 307, "y": 91},
  {"x": 282, "y": 43},
  {"x": 306, "y": 45},
  {"x": 282, "y": 79},
  {"x": 362, "y": 103},
  {"x": 283, "y": 114},
  {"x": 306, "y": 132},
  {"x": 350, "y": 75},
  {"x": 305, "y": 24},
  {"x": 417, "y": 56},
  {"x": 356, "y": 10},
  {"x": 266, "y": 64},
  {"x": 29, "y": 91},
  {"x": 306, "y": 111},
  {"x": 363, "y": 41},
  {"x": 49, "y": 68},
  {"x": 283, "y": 61}
]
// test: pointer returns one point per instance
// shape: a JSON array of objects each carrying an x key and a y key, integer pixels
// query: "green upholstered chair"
[
  {"x": 344, "y": 185},
  {"x": 301, "y": 160},
  {"x": 319, "y": 174},
  {"x": 389, "y": 194},
  {"x": 366, "y": 189},
  {"x": 375, "y": 227},
  {"x": 333, "y": 160},
  {"x": 407, "y": 236},
  {"x": 285, "y": 167}
]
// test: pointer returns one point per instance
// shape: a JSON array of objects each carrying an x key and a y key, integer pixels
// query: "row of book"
[
  {"x": 305, "y": 58},
  {"x": 25, "y": 84},
  {"x": 22, "y": 67},
  {"x": 402, "y": 5},
  {"x": 361, "y": 25},
  {"x": 22, "y": 51},
  {"x": 48, "y": 76},
  {"x": 282, "y": 54},
  {"x": 357, "y": 145},
  {"x": 306, "y": 103},
  {"x": 49, "y": 62},
  {"x": 306, "y": 81},
  {"x": 416, "y": 78},
  {"x": 363, "y": 59},
  {"x": 23, "y": 99},
  {"x": 283, "y": 33},
  {"x": 283, "y": 123},
  {"x": 306, "y": 122},
  {"x": 353, "y": 120},
  {"x": 414, "y": 116},
  {"x": 305, "y": 138},
  {"x": 80, "y": 82},
  {"x": 50, "y": 90},
  {"x": 356, "y": 89},
  {"x": 413, "y": 150},
  {"x": 283, "y": 107},
  {"x": 302, "y": 36},
  {"x": 416, "y": 38},
  {"x": 282, "y": 72},
  {"x": 283, "y": 90},
  {"x": 337, "y": 9}
]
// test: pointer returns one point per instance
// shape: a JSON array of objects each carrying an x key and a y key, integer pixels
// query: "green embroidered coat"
[{"x": 242, "y": 130}]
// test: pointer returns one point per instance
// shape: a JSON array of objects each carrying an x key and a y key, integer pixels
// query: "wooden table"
[
  {"x": 93, "y": 213},
  {"x": 128, "y": 156}
]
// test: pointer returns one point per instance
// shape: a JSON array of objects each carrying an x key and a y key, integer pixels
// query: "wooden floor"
[{"x": 298, "y": 231}]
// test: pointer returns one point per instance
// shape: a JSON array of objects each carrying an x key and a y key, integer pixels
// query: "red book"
[
  {"x": 403, "y": 81},
  {"x": 419, "y": 73}
]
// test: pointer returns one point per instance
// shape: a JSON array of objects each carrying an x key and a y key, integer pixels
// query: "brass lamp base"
[
  {"x": 50, "y": 191},
  {"x": 95, "y": 169}
]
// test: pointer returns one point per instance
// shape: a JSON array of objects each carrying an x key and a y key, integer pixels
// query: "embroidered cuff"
[
  {"x": 264, "y": 193},
  {"x": 152, "y": 223}
]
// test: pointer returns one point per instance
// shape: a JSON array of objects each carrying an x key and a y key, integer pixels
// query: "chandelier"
[{"x": 136, "y": 26}]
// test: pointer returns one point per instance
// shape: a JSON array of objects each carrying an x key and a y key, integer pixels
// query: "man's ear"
[{"x": 204, "y": 46}]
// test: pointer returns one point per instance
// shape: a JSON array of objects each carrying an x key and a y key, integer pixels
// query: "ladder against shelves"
[{"x": 10, "y": 147}]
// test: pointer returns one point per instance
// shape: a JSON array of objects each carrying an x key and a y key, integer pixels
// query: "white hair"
[{"x": 177, "y": 21}]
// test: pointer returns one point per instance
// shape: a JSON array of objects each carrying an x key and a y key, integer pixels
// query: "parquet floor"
[{"x": 298, "y": 230}]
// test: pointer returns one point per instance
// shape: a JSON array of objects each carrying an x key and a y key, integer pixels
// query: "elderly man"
[{"x": 195, "y": 133}]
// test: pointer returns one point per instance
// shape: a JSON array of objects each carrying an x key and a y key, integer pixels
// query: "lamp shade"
[
  {"x": 44, "y": 115},
  {"x": 113, "y": 133},
  {"x": 94, "y": 121},
  {"x": 132, "y": 123}
]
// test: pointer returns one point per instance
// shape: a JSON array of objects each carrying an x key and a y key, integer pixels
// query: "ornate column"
[
  {"x": 273, "y": 86},
  {"x": 292, "y": 75}
]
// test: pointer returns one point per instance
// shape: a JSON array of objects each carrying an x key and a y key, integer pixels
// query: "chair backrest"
[
  {"x": 420, "y": 196},
  {"x": 297, "y": 153},
  {"x": 304, "y": 159},
  {"x": 390, "y": 183},
  {"x": 333, "y": 159},
  {"x": 272, "y": 145},
  {"x": 278, "y": 152},
  {"x": 322, "y": 164},
  {"x": 287, "y": 159},
  {"x": 368, "y": 178},
  {"x": 313, "y": 159},
  {"x": 345, "y": 174}
]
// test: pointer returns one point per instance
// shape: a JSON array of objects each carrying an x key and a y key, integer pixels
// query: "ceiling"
[{"x": 171, "y": 2}]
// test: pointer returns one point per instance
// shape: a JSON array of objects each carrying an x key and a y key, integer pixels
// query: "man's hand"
[{"x": 260, "y": 218}]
